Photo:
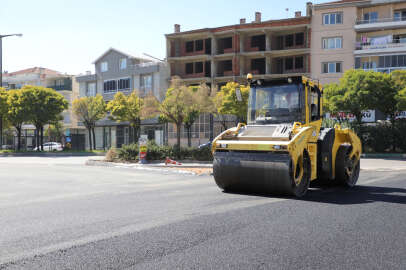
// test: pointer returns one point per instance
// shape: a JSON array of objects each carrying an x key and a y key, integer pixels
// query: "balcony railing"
[
  {"x": 369, "y": 46},
  {"x": 60, "y": 87},
  {"x": 380, "y": 20},
  {"x": 384, "y": 69}
]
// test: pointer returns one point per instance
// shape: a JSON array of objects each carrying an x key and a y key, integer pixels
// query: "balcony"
[
  {"x": 385, "y": 69},
  {"x": 367, "y": 48},
  {"x": 379, "y": 24},
  {"x": 60, "y": 87}
]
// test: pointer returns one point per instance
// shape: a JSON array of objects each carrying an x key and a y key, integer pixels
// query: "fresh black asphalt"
[{"x": 69, "y": 216}]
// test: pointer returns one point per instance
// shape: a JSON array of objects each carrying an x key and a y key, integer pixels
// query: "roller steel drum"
[{"x": 253, "y": 172}]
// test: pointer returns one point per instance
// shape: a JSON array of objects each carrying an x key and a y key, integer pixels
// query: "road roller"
[{"x": 283, "y": 146}]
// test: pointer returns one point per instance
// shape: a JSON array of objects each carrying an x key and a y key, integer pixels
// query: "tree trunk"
[
  {"x": 189, "y": 136},
  {"x": 178, "y": 129},
  {"x": 89, "y": 130},
  {"x": 37, "y": 132},
  {"x": 18, "y": 138},
  {"x": 42, "y": 138},
  {"x": 1, "y": 132},
  {"x": 94, "y": 139}
]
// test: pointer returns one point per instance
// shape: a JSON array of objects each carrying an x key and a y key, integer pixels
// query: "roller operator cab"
[{"x": 283, "y": 146}]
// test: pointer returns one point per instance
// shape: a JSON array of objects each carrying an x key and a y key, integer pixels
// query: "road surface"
[{"x": 56, "y": 213}]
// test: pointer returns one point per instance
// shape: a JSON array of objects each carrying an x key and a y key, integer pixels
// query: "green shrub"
[
  {"x": 157, "y": 152},
  {"x": 128, "y": 152}
]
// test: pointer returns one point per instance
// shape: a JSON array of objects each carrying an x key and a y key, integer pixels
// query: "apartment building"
[
  {"x": 119, "y": 71},
  {"x": 215, "y": 56},
  {"x": 367, "y": 34}
]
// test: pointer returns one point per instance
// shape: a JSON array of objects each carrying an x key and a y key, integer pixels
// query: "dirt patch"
[{"x": 198, "y": 171}]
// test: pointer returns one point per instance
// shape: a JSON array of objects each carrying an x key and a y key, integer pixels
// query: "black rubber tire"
[
  {"x": 301, "y": 189},
  {"x": 347, "y": 170}
]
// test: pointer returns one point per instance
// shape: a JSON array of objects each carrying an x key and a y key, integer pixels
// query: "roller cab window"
[{"x": 275, "y": 104}]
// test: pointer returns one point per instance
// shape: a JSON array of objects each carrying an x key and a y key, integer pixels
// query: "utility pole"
[{"x": 1, "y": 79}]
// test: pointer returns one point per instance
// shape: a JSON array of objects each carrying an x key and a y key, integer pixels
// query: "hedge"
[
  {"x": 156, "y": 152},
  {"x": 379, "y": 137}
]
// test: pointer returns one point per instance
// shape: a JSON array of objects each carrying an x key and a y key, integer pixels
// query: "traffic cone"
[{"x": 169, "y": 161}]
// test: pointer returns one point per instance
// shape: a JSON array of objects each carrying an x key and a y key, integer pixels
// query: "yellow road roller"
[{"x": 283, "y": 147}]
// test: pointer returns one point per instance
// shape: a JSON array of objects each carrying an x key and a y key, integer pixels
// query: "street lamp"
[
  {"x": 1, "y": 54},
  {"x": 1, "y": 79}
]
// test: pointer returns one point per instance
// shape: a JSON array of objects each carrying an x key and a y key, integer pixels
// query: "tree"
[
  {"x": 399, "y": 80},
  {"x": 177, "y": 105},
  {"x": 17, "y": 112},
  {"x": 90, "y": 110},
  {"x": 45, "y": 107},
  {"x": 55, "y": 131},
  {"x": 227, "y": 103},
  {"x": 3, "y": 112},
  {"x": 133, "y": 109},
  {"x": 202, "y": 103},
  {"x": 353, "y": 94}
]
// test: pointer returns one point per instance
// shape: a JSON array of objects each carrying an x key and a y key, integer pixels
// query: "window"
[
  {"x": 110, "y": 86},
  {"x": 146, "y": 83},
  {"x": 123, "y": 84},
  {"x": 333, "y": 18},
  {"x": 123, "y": 63},
  {"x": 399, "y": 15},
  {"x": 189, "y": 68},
  {"x": 333, "y": 43},
  {"x": 299, "y": 62},
  {"x": 289, "y": 63},
  {"x": 332, "y": 67},
  {"x": 299, "y": 39},
  {"x": 190, "y": 46},
  {"x": 59, "y": 82},
  {"x": 228, "y": 65},
  {"x": 371, "y": 17},
  {"x": 104, "y": 67},
  {"x": 199, "y": 45},
  {"x": 198, "y": 67},
  {"x": 228, "y": 43},
  {"x": 91, "y": 89},
  {"x": 289, "y": 41}
]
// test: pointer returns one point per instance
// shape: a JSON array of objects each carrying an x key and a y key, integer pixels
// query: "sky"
[{"x": 68, "y": 35}]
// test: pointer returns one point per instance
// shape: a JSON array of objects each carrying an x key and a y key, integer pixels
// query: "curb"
[
  {"x": 47, "y": 154},
  {"x": 377, "y": 155}
]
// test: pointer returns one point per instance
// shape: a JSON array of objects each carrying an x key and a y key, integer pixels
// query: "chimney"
[
  {"x": 298, "y": 14},
  {"x": 177, "y": 28},
  {"x": 309, "y": 8},
  {"x": 257, "y": 17},
  {"x": 243, "y": 21}
]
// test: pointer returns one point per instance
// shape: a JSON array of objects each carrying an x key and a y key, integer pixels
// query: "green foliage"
[
  {"x": 125, "y": 108},
  {"x": 3, "y": 102},
  {"x": 89, "y": 109},
  {"x": 226, "y": 101},
  {"x": 361, "y": 90},
  {"x": 46, "y": 105},
  {"x": 156, "y": 152},
  {"x": 18, "y": 109}
]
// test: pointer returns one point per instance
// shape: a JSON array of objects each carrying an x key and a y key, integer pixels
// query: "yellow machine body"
[{"x": 296, "y": 157}]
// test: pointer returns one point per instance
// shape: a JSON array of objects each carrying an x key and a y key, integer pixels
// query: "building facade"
[
  {"x": 118, "y": 71},
  {"x": 366, "y": 34},
  {"x": 215, "y": 56}
]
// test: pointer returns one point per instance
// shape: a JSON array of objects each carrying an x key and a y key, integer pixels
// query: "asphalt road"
[{"x": 59, "y": 214}]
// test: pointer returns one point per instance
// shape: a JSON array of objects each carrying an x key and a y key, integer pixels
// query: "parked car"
[
  {"x": 208, "y": 145},
  {"x": 51, "y": 146},
  {"x": 7, "y": 147}
]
